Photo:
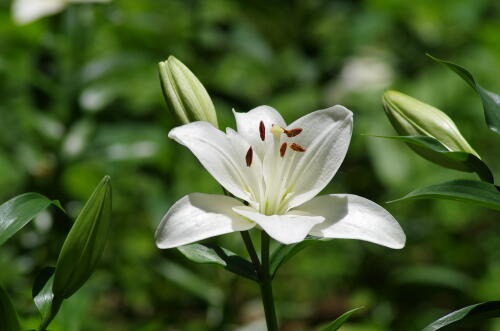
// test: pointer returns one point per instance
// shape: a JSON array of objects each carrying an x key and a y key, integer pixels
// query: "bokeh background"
[{"x": 80, "y": 98}]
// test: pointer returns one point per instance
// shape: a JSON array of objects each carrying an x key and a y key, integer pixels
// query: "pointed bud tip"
[{"x": 184, "y": 93}]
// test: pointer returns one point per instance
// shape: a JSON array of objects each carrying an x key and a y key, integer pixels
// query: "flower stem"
[
  {"x": 251, "y": 251},
  {"x": 266, "y": 288}
]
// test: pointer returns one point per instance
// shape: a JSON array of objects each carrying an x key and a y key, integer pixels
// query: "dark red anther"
[
  {"x": 249, "y": 156},
  {"x": 262, "y": 131},
  {"x": 283, "y": 149},
  {"x": 293, "y": 132},
  {"x": 297, "y": 148}
]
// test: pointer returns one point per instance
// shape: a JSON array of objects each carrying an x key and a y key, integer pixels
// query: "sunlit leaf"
[
  {"x": 44, "y": 297},
  {"x": 83, "y": 247},
  {"x": 335, "y": 325},
  {"x": 285, "y": 252},
  {"x": 213, "y": 254},
  {"x": 490, "y": 100},
  {"x": 471, "y": 191},
  {"x": 467, "y": 316},
  {"x": 468, "y": 162},
  {"x": 18, "y": 211},
  {"x": 8, "y": 315}
]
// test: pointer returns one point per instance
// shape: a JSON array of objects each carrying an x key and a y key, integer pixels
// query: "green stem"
[
  {"x": 266, "y": 288},
  {"x": 251, "y": 251}
]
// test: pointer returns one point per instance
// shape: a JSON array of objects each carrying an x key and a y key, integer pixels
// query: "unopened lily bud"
[
  {"x": 184, "y": 93},
  {"x": 411, "y": 117}
]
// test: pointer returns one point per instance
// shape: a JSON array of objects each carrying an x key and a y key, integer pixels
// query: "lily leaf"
[
  {"x": 44, "y": 297},
  {"x": 18, "y": 211},
  {"x": 468, "y": 162},
  {"x": 213, "y": 254},
  {"x": 285, "y": 252},
  {"x": 490, "y": 100},
  {"x": 85, "y": 242},
  {"x": 471, "y": 191},
  {"x": 8, "y": 315},
  {"x": 335, "y": 325},
  {"x": 469, "y": 315}
]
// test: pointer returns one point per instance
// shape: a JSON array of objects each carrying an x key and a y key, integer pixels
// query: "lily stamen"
[
  {"x": 293, "y": 132},
  {"x": 283, "y": 149},
  {"x": 297, "y": 148},
  {"x": 249, "y": 156},
  {"x": 262, "y": 131}
]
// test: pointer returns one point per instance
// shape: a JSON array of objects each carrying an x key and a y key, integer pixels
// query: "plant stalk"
[
  {"x": 266, "y": 288},
  {"x": 251, "y": 251}
]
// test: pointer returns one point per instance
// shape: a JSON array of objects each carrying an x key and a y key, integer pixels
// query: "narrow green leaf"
[
  {"x": 468, "y": 316},
  {"x": 44, "y": 297},
  {"x": 8, "y": 315},
  {"x": 471, "y": 191},
  {"x": 335, "y": 325},
  {"x": 18, "y": 211},
  {"x": 490, "y": 100},
  {"x": 455, "y": 160},
  {"x": 83, "y": 247},
  {"x": 213, "y": 254},
  {"x": 285, "y": 252}
]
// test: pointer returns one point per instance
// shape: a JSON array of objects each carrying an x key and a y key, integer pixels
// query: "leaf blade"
[
  {"x": 212, "y": 254},
  {"x": 8, "y": 315},
  {"x": 466, "y": 316},
  {"x": 19, "y": 211},
  {"x": 335, "y": 325},
  {"x": 43, "y": 296},
  {"x": 490, "y": 100},
  {"x": 476, "y": 192},
  {"x": 469, "y": 162}
]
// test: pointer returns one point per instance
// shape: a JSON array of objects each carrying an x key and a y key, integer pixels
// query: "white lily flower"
[
  {"x": 277, "y": 170},
  {"x": 27, "y": 11}
]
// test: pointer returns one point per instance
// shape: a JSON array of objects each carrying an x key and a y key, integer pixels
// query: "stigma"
[{"x": 277, "y": 130}]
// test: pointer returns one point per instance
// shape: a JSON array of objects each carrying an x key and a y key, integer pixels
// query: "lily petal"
[
  {"x": 325, "y": 136},
  {"x": 350, "y": 216},
  {"x": 198, "y": 216},
  {"x": 287, "y": 229},
  {"x": 248, "y": 126},
  {"x": 216, "y": 153}
]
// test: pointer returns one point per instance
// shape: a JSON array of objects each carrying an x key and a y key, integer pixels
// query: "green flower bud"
[
  {"x": 411, "y": 117},
  {"x": 184, "y": 93}
]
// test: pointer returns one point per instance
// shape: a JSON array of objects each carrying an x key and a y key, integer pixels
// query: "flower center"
[{"x": 276, "y": 186}]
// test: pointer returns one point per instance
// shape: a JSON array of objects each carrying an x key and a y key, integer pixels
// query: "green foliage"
[
  {"x": 43, "y": 296},
  {"x": 490, "y": 100},
  {"x": 335, "y": 325},
  {"x": 8, "y": 315},
  {"x": 213, "y": 254},
  {"x": 470, "y": 191},
  {"x": 468, "y": 316},
  {"x": 18, "y": 211},
  {"x": 452, "y": 159},
  {"x": 80, "y": 98}
]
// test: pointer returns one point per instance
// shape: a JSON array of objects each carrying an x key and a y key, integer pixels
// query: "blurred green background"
[{"x": 80, "y": 98}]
